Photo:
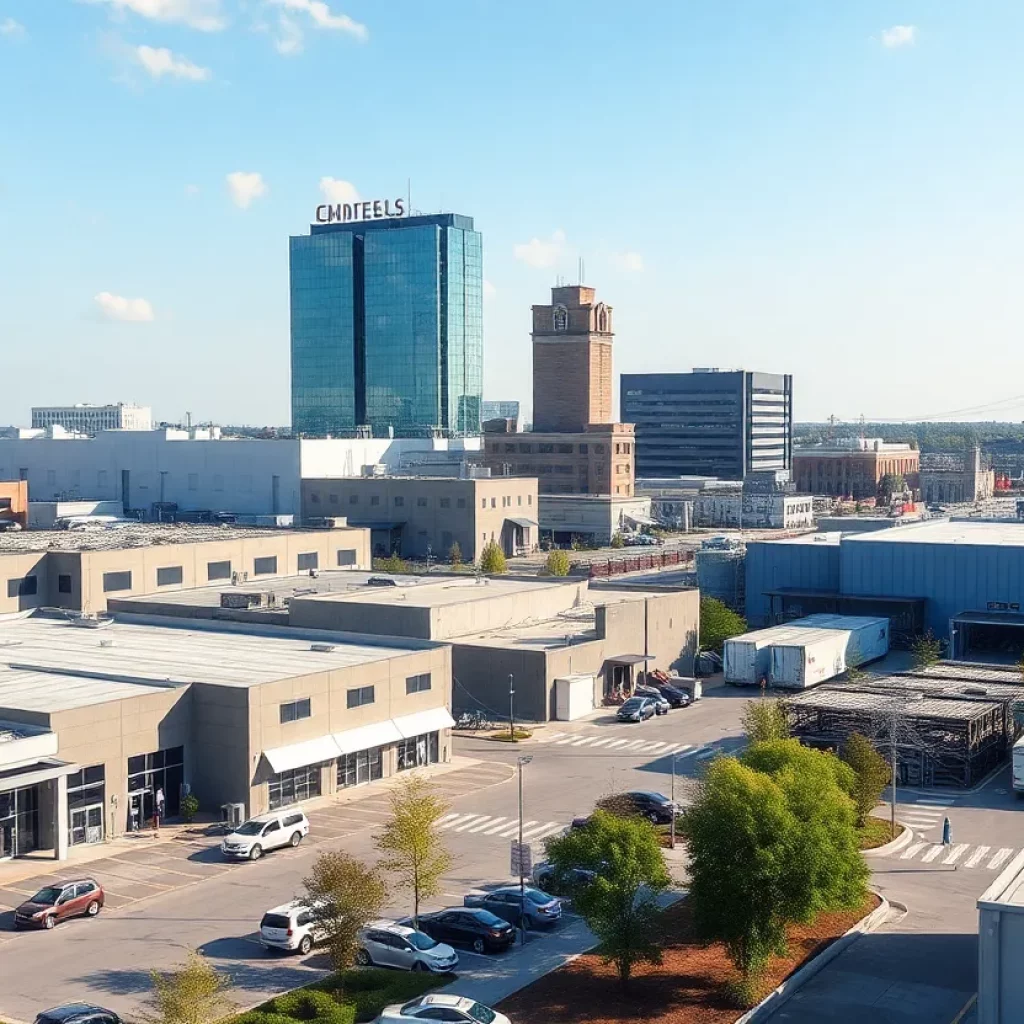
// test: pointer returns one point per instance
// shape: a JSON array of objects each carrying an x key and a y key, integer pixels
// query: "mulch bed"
[{"x": 688, "y": 988}]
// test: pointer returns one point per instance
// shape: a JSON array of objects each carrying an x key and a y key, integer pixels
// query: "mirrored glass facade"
[{"x": 387, "y": 326}]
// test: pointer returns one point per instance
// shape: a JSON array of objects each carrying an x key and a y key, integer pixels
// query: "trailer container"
[
  {"x": 868, "y": 635},
  {"x": 808, "y": 659},
  {"x": 746, "y": 658}
]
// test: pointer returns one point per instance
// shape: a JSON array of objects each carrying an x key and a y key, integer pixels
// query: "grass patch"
[
  {"x": 877, "y": 832},
  {"x": 504, "y": 737},
  {"x": 351, "y": 996}
]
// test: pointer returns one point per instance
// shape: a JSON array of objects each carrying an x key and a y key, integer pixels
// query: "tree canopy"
[
  {"x": 871, "y": 772},
  {"x": 492, "y": 559},
  {"x": 765, "y": 719},
  {"x": 193, "y": 993},
  {"x": 718, "y": 622}
]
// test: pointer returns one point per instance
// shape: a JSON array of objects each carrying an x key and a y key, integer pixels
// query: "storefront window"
[
  {"x": 359, "y": 767},
  {"x": 418, "y": 751},
  {"x": 86, "y": 796},
  {"x": 294, "y": 786},
  {"x": 162, "y": 769}
]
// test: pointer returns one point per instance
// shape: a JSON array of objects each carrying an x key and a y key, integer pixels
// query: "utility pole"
[
  {"x": 522, "y": 885},
  {"x": 672, "y": 827},
  {"x": 511, "y": 713},
  {"x": 892, "y": 779}
]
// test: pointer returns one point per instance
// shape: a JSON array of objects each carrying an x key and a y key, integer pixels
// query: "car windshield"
[
  {"x": 632, "y": 704},
  {"x": 538, "y": 897},
  {"x": 421, "y": 941},
  {"x": 489, "y": 919},
  {"x": 654, "y": 798},
  {"x": 49, "y": 895},
  {"x": 250, "y": 828},
  {"x": 482, "y": 1013}
]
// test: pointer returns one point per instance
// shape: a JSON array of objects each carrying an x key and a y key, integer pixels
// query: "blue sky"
[{"x": 827, "y": 188}]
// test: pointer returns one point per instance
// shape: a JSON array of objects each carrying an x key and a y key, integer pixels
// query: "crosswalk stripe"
[
  {"x": 551, "y": 737},
  {"x": 550, "y": 832},
  {"x": 476, "y": 819},
  {"x": 978, "y": 855},
  {"x": 492, "y": 828},
  {"x": 1002, "y": 855},
  {"x": 616, "y": 743},
  {"x": 932, "y": 854},
  {"x": 679, "y": 748},
  {"x": 928, "y": 800},
  {"x": 910, "y": 819},
  {"x": 651, "y": 747},
  {"x": 912, "y": 851},
  {"x": 957, "y": 852},
  {"x": 534, "y": 833},
  {"x": 449, "y": 817},
  {"x": 601, "y": 743},
  {"x": 568, "y": 739},
  {"x": 457, "y": 820},
  {"x": 584, "y": 741},
  {"x": 514, "y": 830},
  {"x": 633, "y": 744}
]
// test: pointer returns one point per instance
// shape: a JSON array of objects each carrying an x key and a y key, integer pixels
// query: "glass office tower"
[{"x": 387, "y": 326}]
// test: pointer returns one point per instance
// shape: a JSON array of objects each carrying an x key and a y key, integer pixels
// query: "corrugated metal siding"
[{"x": 771, "y": 565}]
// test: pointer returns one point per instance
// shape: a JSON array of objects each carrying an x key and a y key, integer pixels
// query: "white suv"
[
  {"x": 265, "y": 832},
  {"x": 290, "y": 928}
]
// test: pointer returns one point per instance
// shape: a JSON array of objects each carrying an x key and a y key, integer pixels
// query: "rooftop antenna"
[{"x": 408, "y": 196}]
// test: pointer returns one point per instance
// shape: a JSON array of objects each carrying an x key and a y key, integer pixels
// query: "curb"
[
  {"x": 782, "y": 994},
  {"x": 898, "y": 843}
]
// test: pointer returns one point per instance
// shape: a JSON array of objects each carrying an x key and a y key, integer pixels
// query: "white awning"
[
  {"x": 639, "y": 518},
  {"x": 376, "y": 735},
  {"x": 298, "y": 755},
  {"x": 424, "y": 721}
]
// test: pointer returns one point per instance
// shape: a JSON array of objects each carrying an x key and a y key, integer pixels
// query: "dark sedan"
[
  {"x": 78, "y": 1013},
  {"x": 637, "y": 709},
  {"x": 676, "y": 697},
  {"x": 479, "y": 929},
  {"x": 655, "y": 807}
]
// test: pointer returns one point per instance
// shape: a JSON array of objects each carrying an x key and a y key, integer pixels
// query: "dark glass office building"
[
  {"x": 718, "y": 423},
  {"x": 387, "y": 326}
]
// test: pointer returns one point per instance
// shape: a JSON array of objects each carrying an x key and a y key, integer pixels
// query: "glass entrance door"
[
  {"x": 86, "y": 825},
  {"x": 8, "y": 834}
]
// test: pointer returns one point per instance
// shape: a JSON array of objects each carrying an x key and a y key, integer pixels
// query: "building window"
[
  {"x": 374, "y": 499},
  {"x": 560, "y": 319},
  {"x": 162, "y": 769},
  {"x": 266, "y": 566},
  {"x": 460, "y": 503},
  {"x": 64, "y": 583},
  {"x": 294, "y": 710},
  {"x": 417, "y": 751},
  {"x": 494, "y": 502},
  {"x": 294, "y": 786},
  {"x": 359, "y": 697},
  {"x": 565, "y": 449},
  {"x": 546, "y": 449},
  {"x": 526, "y": 448},
  {"x": 333, "y": 498},
  {"x": 584, "y": 449},
  {"x": 599, "y": 449},
  {"x": 346, "y": 556},
  {"x": 519, "y": 499},
  {"x": 314, "y": 498},
  {"x": 421, "y": 502},
  {"x": 399, "y": 501},
  {"x": 26, "y": 586},
  {"x": 483, "y": 503},
  {"x": 308, "y": 560},
  {"x": 417, "y": 684},
  {"x": 446, "y": 503},
  {"x": 86, "y": 800},
  {"x": 353, "y": 499},
  {"x": 218, "y": 570},
  {"x": 360, "y": 767},
  {"x": 169, "y": 576},
  {"x": 529, "y": 499},
  {"x": 117, "y": 581}
]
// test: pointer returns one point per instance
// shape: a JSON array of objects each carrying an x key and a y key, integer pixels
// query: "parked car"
[
  {"x": 78, "y": 1013},
  {"x": 637, "y": 709},
  {"x": 565, "y": 884},
  {"x": 656, "y": 807},
  {"x": 540, "y": 909},
  {"x": 389, "y": 944},
  {"x": 381, "y": 581},
  {"x": 437, "y": 1006},
  {"x": 290, "y": 928},
  {"x": 475, "y": 927},
  {"x": 661, "y": 703},
  {"x": 56, "y": 903},
  {"x": 677, "y": 698},
  {"x": 266, "y": 832}
]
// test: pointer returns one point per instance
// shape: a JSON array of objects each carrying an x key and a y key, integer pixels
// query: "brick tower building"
[{"x": 572, "y": 361}]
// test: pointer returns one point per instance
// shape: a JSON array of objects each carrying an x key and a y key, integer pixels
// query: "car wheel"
[
  {"x": 363, "y": 958},
  {"x": 93, "y": 909},
  {"x": 305, "y": 944},
  {"x": 296, "y": 839},
  {"x": 419, "y": 965},
  {"x": 478, "y": 945},
  {"x": 255, "y": 853},
  {"x": 49, "y": 921},
  {"x": 652, "y": 817}
]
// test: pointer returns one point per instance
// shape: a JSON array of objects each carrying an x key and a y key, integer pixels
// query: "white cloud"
[
  {"x": 159, "y": 61},
  {"x": 629, "y": 261},
  {"x": 10, "y": 27},
  {"x": 337, "y": 191},
  {"x": 489, "y": 290},
  {"x": 540, "y": 253},
  {"x": 899, "y": 35},
  {"x": 289, "y": 40},
  {"x": 205, "y": 15},
  {"x": 117, "y": 307},
  {"x": 245, "y": 186},
  {"x": 191, "y": 190},
  {"x": 322, "y": 17}
]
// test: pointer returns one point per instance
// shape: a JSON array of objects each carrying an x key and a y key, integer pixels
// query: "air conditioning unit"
[
  {"x": 322, "y": 648},
  {"x": 232, "y": 815}
]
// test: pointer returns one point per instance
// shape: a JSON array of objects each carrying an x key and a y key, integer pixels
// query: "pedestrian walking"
[
  {"x": 158, "y": 810},
  {"x": 947, "y": 832}
]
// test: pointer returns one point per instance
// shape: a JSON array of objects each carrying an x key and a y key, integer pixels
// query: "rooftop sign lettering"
[{"x": 372, "y": 209}]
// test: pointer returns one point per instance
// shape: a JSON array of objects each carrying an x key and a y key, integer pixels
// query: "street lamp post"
[
  {"x": 520, "y": 762},
  {"x": 672, "y": 827},
  {"x": 511, "y": 709}
]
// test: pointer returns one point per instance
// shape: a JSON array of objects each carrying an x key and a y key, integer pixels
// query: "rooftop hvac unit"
[
  {"x": 322, "y": 648},
  {"x": 232, "y": 815}
]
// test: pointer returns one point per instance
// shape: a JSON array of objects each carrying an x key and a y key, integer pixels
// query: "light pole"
[
  {"x": 672, "y": 827},
  {"x": 511, "y": 710},
  {"x": 520, "y": 761}
]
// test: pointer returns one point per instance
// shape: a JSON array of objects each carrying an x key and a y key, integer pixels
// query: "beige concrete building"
[
  {"x": 82, "y": 571},
  {"x": 956, "y": 477},
  {"x": 597, "y": 460},
  {"x": 94, "y": 723},
  {"x": 854, "y": 467},
  {"x": 414, "y": 515}
]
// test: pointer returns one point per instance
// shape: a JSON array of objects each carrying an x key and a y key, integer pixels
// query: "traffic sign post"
[{"x": 522, "y": 859}]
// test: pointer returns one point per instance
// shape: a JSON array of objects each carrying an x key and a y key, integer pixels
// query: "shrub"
[
  {"x": 492, "y": 559},
  {"x": 189, "y": 807},
  {"x": 765, "y": 720},
  {"x": 311, "y": 1005},
  {"x": 393, "y": 563},
  {"x": 455, "y": 555},
  {"x": 558, "y": 564},
  {"x": 617, "y": 540},
  {"x": 718, "y": 622},
  {"x": 926, "y": 650}
]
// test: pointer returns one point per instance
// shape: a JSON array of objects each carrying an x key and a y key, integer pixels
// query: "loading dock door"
[{"x": 993, "y": 635}]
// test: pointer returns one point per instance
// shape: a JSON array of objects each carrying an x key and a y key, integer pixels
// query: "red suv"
[{"x": 81, "y": 898}]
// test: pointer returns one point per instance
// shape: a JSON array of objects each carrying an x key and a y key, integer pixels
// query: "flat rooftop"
[
  {"x": 47, "y": 664},
  {"x": 946, "y": 531},
  {"x": 438, "y": 592},
  {"x": 126, "y": 535}
]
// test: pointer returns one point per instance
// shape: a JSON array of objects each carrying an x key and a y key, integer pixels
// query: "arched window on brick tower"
[
  {"x": 602, "y": 318},
  {"x": 560, "y": 319}
]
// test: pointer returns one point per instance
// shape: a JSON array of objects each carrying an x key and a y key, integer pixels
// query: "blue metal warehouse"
[{"x": 962, "y": 580}]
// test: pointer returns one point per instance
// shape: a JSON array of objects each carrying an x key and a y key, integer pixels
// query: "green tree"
[
  {"x": 411, "y": 842},
  {"x": 492, "y": 559},
  {"x": 890, "y": 484},
  {"x": 558, "y": 563},
  {"x": 765, "y": 719},
  {"x": 926, "y": 650},
  {"x": 772, "y": 841},
  {"x": 193, "y": 993},
  {"x": 871, "y": 771},
  {"x": 621, "y": 905},
  {"x": 618, "y": 541},
  {"x": 718, "y": 623},
  {"x": 393, "y": 563},
  {"x": 343, "y": 895},
  {"x": 455, "y": 555}
]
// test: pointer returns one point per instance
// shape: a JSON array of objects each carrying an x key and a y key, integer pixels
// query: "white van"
[
  {"x": 255, "y": 837},
  {"x": 290, "y": 928}
]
